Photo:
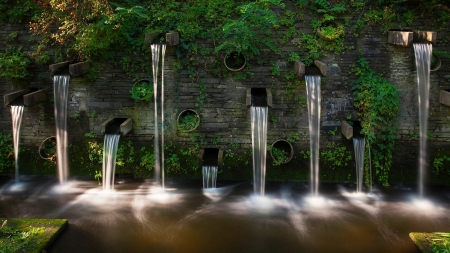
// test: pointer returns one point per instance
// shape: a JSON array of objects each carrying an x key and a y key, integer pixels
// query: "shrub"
[{"x": 14, "y": 65}]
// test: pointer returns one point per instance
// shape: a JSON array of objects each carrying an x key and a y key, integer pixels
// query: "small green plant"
[
  {"x": 125, "y": 153},
  {"x": 280, "y": 156},
  {"x": 93, "y": 114},
  {"x": 202, "y": 95},
  {"x": 12, "y": 37},
  {"x": 293, "y": 138},
  {"x": 438, "y": 164},
  {"x": 293, "y": 57},
  {"x": 98, "y": 176},
  {"x": 95, "y": 152},
  {"x": 14, "y": 65},
  {"x": 188, "y": 122},
  {"x": 142, "y": 91},
  {"x": 332, "y": 132},
  {"x": 173, "y": 162},
  {"x": 301, "y": 101},
  {"x": 148, "y": 159},
  {"x": 90, "y": 135},
  {"x": 273, "y": 119},
  {"x": 306, "y": 154},
  {"x": 216, "y": 141},
  {"x": 290, "y": 89},
  {"x": 335, "y": 155},
  {"x": 276, "y": 71}
]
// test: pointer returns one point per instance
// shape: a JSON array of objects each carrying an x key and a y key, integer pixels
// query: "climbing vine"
[{"x": 378, "y": 103}]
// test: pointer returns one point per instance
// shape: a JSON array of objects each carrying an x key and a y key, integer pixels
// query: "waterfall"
[
  {"x": 209, "y": 176},
  {"x": 358, "y": 146},
  {"x": 61, "y": 90},
  {"x": 110, "y": 147},
  {"x": 159, "y": 158},
  {"x": 423, "y": 61},
  {"x": 16, "y": 115},
  {"x": 314, "y": 100},
  {"x": 258, "y": 117}
]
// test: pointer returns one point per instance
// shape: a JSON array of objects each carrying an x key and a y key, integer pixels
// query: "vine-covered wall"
[{"x": 219, "y": 96}]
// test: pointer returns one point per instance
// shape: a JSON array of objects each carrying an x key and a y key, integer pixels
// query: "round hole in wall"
[
  {"x": 47, "y": 149},
  {"x": 234, "y": 61},
  {"x": 282, "y": 151},
  {"x": 188, "y": 120}
]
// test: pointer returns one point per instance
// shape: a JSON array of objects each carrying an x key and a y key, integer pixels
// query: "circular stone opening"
[
  {"x": 188, "y": 120},
  {"x": 330, "y": 30},
  {"x": 281, "y": 152},
  {"x": 234, "y": 61},
  {"x": 435, "y": 62},
  {"x": 142, "y": 90},
  {"x": 47, "y": 150}
]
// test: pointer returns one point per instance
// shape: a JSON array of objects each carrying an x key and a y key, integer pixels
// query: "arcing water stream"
[
  {"x": 423, "y": 61},
  {"x": 159, "y": 158},
  {"x": 314, "y": 100},
  {"x": 16, "y": 115},
  {"x": 61, "y": 91},
  {"x": 359, "y": 146},
  {"x": 209, "y": 176},
  {"x": 258, "y": 117},
  {"x": 110, "y": 147}
]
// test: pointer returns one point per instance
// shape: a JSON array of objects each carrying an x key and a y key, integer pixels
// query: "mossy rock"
[
  {"x": 29, "y": 235},
  {"x": 424, "y": 240}
]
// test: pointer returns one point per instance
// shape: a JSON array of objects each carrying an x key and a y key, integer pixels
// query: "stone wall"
[{"x": 224, "y": 113}]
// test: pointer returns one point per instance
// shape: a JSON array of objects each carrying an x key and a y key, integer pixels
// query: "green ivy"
[
  {"x": 441, "y": 164},
  {"x": 15, "y": 11},
  {"x": 378, "y": 103},
  {"x": 280, "y": 156},
  {"x": 335, "y": 155},
  {"x": 14, "y": 64}
]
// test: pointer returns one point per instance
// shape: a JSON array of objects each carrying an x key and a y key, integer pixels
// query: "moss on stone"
[
  {"x": 29, "y": 235},
  {"x": 424, "y": 241}
]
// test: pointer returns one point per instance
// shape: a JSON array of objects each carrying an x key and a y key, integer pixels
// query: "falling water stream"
[
  {"x": 110, "y": 147},
  {"x": 314, "y": 100},
  {"x": 159, "y": 158},
  {"x": 61, "y": 90},
  {"x": 209, "y": 176},
  {"x": 16, "y": 115},
  {"x": 258, "y": 117},
  {"x": 359, "y": 145},
  {"x": 423, "y": 61}
]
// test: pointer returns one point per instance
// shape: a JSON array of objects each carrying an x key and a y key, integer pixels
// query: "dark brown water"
[{"x": 185, "y": 220}]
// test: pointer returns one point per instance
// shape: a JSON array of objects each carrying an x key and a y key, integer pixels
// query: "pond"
[{"x": 137, "y": 218}]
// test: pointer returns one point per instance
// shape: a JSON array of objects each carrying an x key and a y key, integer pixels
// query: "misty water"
[{"x": 132, "y": 219}]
